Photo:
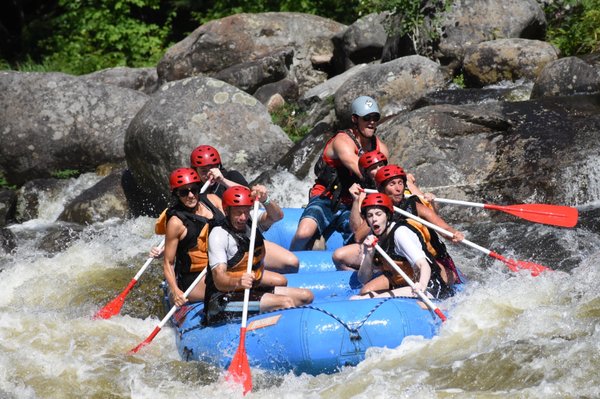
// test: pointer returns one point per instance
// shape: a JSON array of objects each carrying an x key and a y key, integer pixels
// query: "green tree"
[
  {"x": 89, "y": 35},
  {"x": 573, "y": 25}
]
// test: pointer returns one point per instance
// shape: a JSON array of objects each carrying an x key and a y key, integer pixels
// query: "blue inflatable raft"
[{"x": 331, "y": 333}]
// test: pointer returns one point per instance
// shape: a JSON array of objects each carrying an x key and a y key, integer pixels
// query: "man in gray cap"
[{"x": 337, "y": 170}]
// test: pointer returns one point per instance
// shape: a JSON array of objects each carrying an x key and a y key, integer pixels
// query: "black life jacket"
[{"x": 192, "y": 251}]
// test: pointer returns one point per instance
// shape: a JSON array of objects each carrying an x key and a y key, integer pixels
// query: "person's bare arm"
[
  {"x": 225, "y": 283},
  {"x": 273, "y": 212},
  {"x": 175, "y": 231}
]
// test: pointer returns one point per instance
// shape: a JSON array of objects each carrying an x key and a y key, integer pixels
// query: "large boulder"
[
  {"x": 242, "y": 38},
  {"x": 141, "y": 79},
  {"x": 53, "y": 121},
  {"x": 526, "y": 151},
  {"x": 569, "y": 75},
  {"x": 506, "y": 59},
  {"x": 362, "y": 42},
  {"x": 103, "y": 201},
  {"x": 396, "y": 85},
  {"x": 470, "y": 22},
  {"x": 199, "y": 110}
]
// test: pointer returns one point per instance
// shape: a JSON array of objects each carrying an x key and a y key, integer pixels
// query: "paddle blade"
[
  {"x": 111, "y": 309},
  {"x": 145, "y": 342},
  {"x": 239, "y": 369},
  {"x": 556, "y": 215},
  {"x": 114, "y": 307},
  {"x": 515, "y": 265}
]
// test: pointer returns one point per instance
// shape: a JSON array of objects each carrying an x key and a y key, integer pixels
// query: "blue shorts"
[{"x": 319, "y": 210}]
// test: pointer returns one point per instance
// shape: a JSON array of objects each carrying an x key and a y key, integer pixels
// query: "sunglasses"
[
  {"x": 185, "y": 191},
  {"x": 371, "y": 117}
]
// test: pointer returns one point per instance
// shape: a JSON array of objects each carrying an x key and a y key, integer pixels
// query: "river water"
[{"x": 508, "y": 335}]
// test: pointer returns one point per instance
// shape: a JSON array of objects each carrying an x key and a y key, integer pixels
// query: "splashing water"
[{"x": 508, "y": 335}]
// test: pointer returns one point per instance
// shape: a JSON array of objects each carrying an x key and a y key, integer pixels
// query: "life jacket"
[
  {"x": 238, "y": 264},
  {"x": 431, "y": 239},
  {"x": 333, "y": 178},
  {"x": 160, "y": 226},
  {"x": 436, "y": 285},
  {"x": 214, "y": 300},
  {"x": 191, "y": 255},
  {"x": 386, "y": 242}
]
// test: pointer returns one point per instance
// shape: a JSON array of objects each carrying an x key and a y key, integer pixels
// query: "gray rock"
[
  {"x": 249, "y": 76},
  {"x": 8, "y": 206},
  {"x": 506, "y": 59},
  {"x": 141, "y": 79},
  {"x": 240, "y": 38},
  {"x": 361, "y": 43},
  {"x": 396, "y": 85},
  {"x": 53, "y": 122},
  {"x": 103, "y": 201},
  {"x": 567, "y": 76},
  {"x": 200, "y": 110}
]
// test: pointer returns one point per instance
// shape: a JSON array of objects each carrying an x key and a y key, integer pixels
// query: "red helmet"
[
  {"x": 182, "y": 176},
  {"x": 389, "y": 172},
  {"x": 379, "y": 200},
  {"x": 370, "y": 158},
  {"x": 237, "y": 196},
  {"x": 205, "y": 155}
]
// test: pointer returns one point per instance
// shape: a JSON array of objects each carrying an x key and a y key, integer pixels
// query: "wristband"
[{"x": 266, "y": 202}]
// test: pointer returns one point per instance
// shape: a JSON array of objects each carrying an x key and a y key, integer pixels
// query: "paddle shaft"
[
  {"x": 250, "y": 261},
  {"x": 512, "y": 264},
  {"x": 420, "y": 293},
  {"x": 160, "y": 325}
]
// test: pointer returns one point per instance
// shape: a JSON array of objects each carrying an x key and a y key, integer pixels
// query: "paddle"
[
  {"x": 513, "y": 265},
  {"x": 114, "y": 307},
  {"x": 239, "y": 369},
  {"x": 556, "y": 215},
  {"x": 420, "y": 293},
  {"x": 160, "y": 325}
]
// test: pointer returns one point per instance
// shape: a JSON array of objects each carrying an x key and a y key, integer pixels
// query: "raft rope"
[{"x": 352, "y": 327}]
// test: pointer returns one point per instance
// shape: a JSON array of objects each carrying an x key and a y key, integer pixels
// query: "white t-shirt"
[
  {"x": 408, "y": 245},
  {"x": 222, "y": 246}
]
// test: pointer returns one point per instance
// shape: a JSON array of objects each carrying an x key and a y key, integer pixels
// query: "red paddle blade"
[
  {"x": 145, "y": 342},
  {"x": 111, "y": 309},
  {"x": 114, "y": 307},
  {"x": 239, "y": 369},
  {"x": 556, "y": 215},
  {"x": 535, "y": 269},
  {"x": 516, "y": 265}
]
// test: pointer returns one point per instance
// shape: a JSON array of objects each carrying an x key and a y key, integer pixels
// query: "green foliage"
[
  {"x": 287, "y": 117},
  {"x": 89, "y": 35},
  {"x": 5, "y": 184},
  {"x": 573, "y": 25},
  {"x": 419, "y": 19},
  {"x": 459, "y": 81},
  {"x": 65, "y": 173}
]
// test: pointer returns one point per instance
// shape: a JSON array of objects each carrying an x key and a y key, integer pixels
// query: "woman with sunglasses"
[
  {"x": 337, "y": 170},
  {"x": 188, "y": 221}
]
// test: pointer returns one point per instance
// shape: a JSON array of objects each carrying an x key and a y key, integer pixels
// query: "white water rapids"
[{"x": 508, "y": 335}]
